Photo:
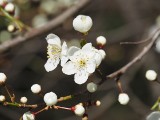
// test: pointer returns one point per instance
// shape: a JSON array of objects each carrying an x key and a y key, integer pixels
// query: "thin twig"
[
  {"x": 146, "y": 48},
  {"x": 49, "y": 26}
]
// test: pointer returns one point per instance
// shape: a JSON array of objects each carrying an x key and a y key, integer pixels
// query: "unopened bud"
[
  {"x": 11, "y": 28},
  {"x": 10, "y": 8},
  {"x": 23, "y": 100},
  {"x": 2, "y": 98},
  {"x": 2, "y": 78},
  {"x": 101, "y": 40},
  {"x": 3, "y": 3}
]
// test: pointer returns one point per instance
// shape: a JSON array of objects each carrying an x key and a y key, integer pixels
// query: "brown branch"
[
  {"x": 49, "y": 26},
  {"x": 122, "y": 70}
]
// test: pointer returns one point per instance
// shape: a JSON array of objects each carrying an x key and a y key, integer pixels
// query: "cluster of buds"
[{"x": 7, "y": 6}]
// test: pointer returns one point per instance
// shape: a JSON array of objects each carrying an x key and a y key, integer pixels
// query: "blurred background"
[{"x": 118, "y": 21}]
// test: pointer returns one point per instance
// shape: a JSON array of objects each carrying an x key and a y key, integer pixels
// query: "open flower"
[
  {"x": 56, "y": 52},
  {"x": 82, "y": 64}
]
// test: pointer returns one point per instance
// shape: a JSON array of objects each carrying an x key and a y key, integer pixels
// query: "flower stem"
[
  {"x": 12, "y": 98},
  {"x": 59, "y": 107}
]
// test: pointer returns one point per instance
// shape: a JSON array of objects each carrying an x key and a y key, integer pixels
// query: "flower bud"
[
  {"x": 98, "y": 103},
  {"x": 101, "y": 40},
  {"x": 50, "y": 98},
  {"x": 123, "y": 98},
  {"x": 82, "y": 23},
  {"x": 11, "y": 28},
  {"x": 28, "y": 116},
  {"x": 151, "y": 75},
  {"x": 36, "y": 88},
  {"x": 23, "y": 100},
  {"x": 2, "y": 78},
  {"x": 3, "y": 3},
  {"x": 79, "y": 110},
  {"x": 2, "y": 98},
  {"x": 10, "y": 8},
  {"x": 91, "y": 87}
]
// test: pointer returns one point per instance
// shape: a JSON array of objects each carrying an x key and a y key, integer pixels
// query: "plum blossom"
[
  {"x": 82, "y": 62},
  {"x": 56, "y": 52}
]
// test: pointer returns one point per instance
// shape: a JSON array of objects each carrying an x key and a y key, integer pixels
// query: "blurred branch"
[
  {"x": 49, "y": 26},
  {"x": 121, "y": 71}
]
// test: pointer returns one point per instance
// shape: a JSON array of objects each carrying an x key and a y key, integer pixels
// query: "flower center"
[
  {"x": 82, "y": 63},
  {"x": 53, "y": 50}
]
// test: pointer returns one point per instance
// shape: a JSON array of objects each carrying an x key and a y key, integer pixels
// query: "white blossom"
[
  {"x": 81, "y": 63},
  {"x": 101, "y": 40},
  {"x": 151, "y": 75},
  {"x": 123, "y": 98},
  {"x": 50, "y": 98},
  {"x": 91, "y": 87},
  {"x": 28, "y": 116},
  {"x": 56, "y": 52},
  {"x": 10, "y": 7},
  {"x": 82, "y": 23},
  {"x": 2, "y": 78},
  {"x": 2, "y": 98},
  {"x": 23, "y": 100},
  {"x": 36, "y": 88},
  {"x": 79, "y": 110}
]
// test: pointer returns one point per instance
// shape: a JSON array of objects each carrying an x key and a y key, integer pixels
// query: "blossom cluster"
[{"x": 81, "y": 62}]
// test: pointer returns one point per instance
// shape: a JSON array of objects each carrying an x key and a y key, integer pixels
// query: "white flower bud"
[
  {"x": 10, "y": 7},
  {"x": 23, "y": 100},
  {"x": 28, "y": 116},
  {"x": 151, "y": 75},
  {"x": 91, "y": 87},
  {"x": 36, "y": 88},
  {"x": 82, "y": 23},
  {"x": 3, "y": 2},
  {"x": 2, "y": 78},
  {"x": 2, "y": 98},
  {"x": 123, "y": 98},
  {"x": 50, "y": 98},
  {"x": 98, "y": 103},
  {"x": 11, "y": 28},
  {"x": 103, "y": 54},
  {"x": 101, "y": 40},
  {"x": 79, "y": 110}
]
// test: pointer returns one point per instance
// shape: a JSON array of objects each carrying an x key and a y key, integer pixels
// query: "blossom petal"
[
  {"x": 51, "y": 64},
  {"x": 87, "y": 47},
  {"x": 64, "y": 59},
  {"x": 53, "y": 39},
  {"x": 64, "y": 48},
  {"x": 91, "y": 66},
  {"x": 69, "y": 68},
  {"x": 72, "y": 50},
  {"x": 81, "y": 77}
]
